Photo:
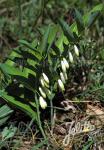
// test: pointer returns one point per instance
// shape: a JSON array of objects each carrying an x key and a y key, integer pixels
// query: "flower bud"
[
  {"x": 63, "y": 66},
  {"x": 42, "y": 82},
  {"x": 42, "y": 102},
  {"x": 71, "y": 57},
  {"x": 46, "y": 84},
  {"x": 65, "y": 75},
  {"x": 48, "y": 92},
  {"x": 76, "y": 50},
  {"x": 42, "y": 92},
  {"x": 61, "y": 85},
  {"x": 62, "y": 77},
  {"x": 66, "y": 63},
  {"x": 45, "y": 78}
]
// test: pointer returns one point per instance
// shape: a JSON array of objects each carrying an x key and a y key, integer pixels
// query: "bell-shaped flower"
[
  {"x": 42, "y": 102},
  {"x": 62, "y": 77},
  {"x": 76, "y": 50},
  {"x": 42, "y": 82},
  {"x": 71, "y": 57},
  {"x": 65, "y": 75},
  {"x": 46, "y": 84},
  {"x": 63, "y": 66},
  {"x": 42, "y": 92},
  {"x": 66, "y": 63},
  {"x": 45, "y": 78},
  {"x": 61, "y": 85}
]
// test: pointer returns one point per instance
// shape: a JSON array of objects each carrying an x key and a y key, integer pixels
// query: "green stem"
[
  {"x": 51, "y": 104},
  {"x": 38, "y": 118}
]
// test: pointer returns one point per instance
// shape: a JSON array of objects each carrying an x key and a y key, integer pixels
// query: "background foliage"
[{"x": 37, "y": 35}]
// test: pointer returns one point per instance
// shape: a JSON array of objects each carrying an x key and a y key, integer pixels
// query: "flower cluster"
[
  {"x": 44, "y": 90},
  {"x": 44, "y": 81},
  {"x": 65, "y": 67}
]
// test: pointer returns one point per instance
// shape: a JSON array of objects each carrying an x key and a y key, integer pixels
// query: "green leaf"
[
  {"x": 26, "y": 82},
  {"x": 8, "y": 132},
  {"x": 52, "y": 34},
  {"x": 87, "y": 145},
  {"x": 91, "y": 16},
  {"x": 74, "y": 28},
  {"x": 5, "y": 112},
  {"x": 26, "y": 107},
  {"x": 38, "y": 146},
  {"x": 92, "y": 19},
  {"x": 60, "y": 42},
  {"x": 51, "y": 37},
  {"x": 79, "y": 21},
  {"x": 43, "y": 46},
  {"x": 66, "y": 30},
  {"x": 28, "y": 45},
  {"x": 97, "y": 8},
  {"x": 6, "y": 69}
]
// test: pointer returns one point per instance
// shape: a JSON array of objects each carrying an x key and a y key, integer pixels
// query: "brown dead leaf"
[{"x": 97, "y": 112}]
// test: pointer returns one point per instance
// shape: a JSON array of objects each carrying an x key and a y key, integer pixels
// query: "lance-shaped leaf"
[
  {"x": 79, "y": 20},
  {"x": 67, "y": 30},
  {"x": 10, "y": 70},
  {"x": 5, "y": 112},
  {"x": 25, "y": 107},
  {"x": 91, "y": 16},
  {"x": 44, "y": 43}
]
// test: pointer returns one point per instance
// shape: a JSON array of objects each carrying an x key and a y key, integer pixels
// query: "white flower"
[
  {"x": 76, "y": 50},
  {"x": 42, "y": 82},
  {"x": 61, "y": 85},
  {"x": 46, "y": 84},
  {"x": 66, "y": 63},
  {"x": 63, "y": 66},
  {"x": 45, "y": 78},
  {"x": 42, "y": 92},
  {"x": 71, "y": 57},
  {"x": 62, "y": 77},
  {"x": 65, "y": 75},
  {"x": 42, "y": 102}
]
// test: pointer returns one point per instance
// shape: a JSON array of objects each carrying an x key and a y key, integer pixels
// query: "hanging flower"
[
  {"x": 42, "y": 92},
  {"x": 42, "y": 82},
  {"x": 61, "y": 85},
  {"x": 71, "y": 57},
  {"x": 62, "y": 77},
  {"x": 76, "y": 50},
  {"x": 63, "y": 66},
  {"x": 45, "y": 78},
  {"x": 42, "y": 102},
  {"x": 66, "y": 63},
  {"x": 65, "y": 75}
]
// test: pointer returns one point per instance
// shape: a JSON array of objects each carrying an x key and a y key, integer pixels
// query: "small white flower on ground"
[
  {"x": 42, "y": 102},
  {"x": 66, "y": 63},
  {"x": 45, "y": 78},
  {"x": 61, "y": 85},
  {"x": 62, "y": 77},
  {"x": 42, "y": 92},
  {"x": 63, "y": 66},
  {"x": 76, "y": 50},
  {"x": 71, "y": 57}
]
